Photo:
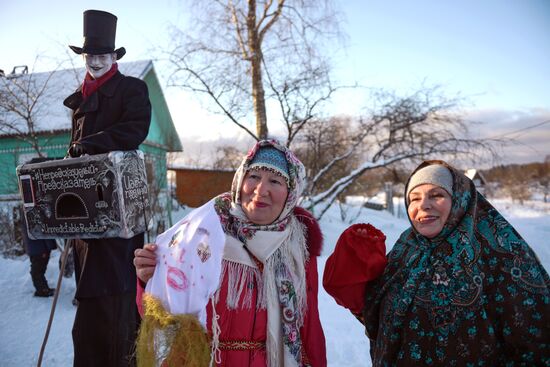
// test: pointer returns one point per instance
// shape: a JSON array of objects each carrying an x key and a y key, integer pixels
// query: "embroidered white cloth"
[{"x": 189, "y": 257}]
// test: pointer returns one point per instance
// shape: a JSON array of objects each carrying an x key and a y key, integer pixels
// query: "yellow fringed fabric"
[{"x": 168, "y": 340}]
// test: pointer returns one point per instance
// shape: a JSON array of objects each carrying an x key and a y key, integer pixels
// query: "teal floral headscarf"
[{"x": 475, "y": 294}]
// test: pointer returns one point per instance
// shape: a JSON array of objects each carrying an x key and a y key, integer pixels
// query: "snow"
[{"x": 24, "y": 317}]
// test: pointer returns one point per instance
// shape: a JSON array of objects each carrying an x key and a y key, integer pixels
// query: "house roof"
[
  {"x": 181, "y": 167},
  {"x": 473, "y": 173},
  {"x": 51, "y": 115},
  {"x": 470, "y": 173}
]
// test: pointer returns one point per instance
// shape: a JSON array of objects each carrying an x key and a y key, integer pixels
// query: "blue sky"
[{"x": 494, "y": 52}]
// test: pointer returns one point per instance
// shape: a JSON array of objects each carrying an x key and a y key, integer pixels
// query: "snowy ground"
[{"x": 24, "y": 317}]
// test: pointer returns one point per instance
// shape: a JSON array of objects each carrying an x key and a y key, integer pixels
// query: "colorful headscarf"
[
  {"x": 276, "y": 256},
  {"x": 474, "y": 293},
  {"x": 233, "y": 218},
  {"x": 272, "y": 159}
]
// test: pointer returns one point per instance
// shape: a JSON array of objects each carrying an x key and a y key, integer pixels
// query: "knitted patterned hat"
[
  {"x": 272, "y": 159},
  {"x": 434, "y": 174}
]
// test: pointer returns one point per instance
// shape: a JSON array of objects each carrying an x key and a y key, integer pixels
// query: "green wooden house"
[{"x": 34, "y": 121}]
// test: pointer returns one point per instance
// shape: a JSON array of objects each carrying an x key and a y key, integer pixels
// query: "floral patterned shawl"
[
  {"x": 236, "y": 222},
  {"x": 474, "y": 295},
  {"x": 273, "y": 255}
]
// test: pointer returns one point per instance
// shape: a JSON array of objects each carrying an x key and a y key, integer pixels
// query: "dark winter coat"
[
  {"x": 115, "y": 117},
  {"x": 474, "y": 295}
]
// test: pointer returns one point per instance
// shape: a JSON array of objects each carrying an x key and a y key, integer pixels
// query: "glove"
[{"x": 76, "y": 150}]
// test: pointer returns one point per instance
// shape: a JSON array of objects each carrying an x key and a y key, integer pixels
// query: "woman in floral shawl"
[
  {"x": 265, "y": 310},
  {"x": 459, "y": 288}
]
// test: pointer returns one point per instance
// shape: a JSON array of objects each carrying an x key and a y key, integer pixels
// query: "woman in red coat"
[{"x": 265, "y": 310}]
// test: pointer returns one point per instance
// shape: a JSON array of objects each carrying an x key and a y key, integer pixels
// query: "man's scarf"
[{"x": 90, "y": 85}]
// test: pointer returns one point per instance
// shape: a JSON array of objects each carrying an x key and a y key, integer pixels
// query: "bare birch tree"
[
  {"x": 423, "y": 125},
  {"x": 251, "y": 56},
  {"x": 320, "y": 142},
  {"x": 261, "y": 61}
]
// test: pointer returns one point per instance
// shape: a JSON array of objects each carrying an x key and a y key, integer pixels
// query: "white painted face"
[{"x": 98, "y": 65}]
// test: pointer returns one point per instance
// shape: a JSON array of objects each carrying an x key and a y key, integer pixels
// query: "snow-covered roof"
[
  {"x": 49, "y": 113},
  {"x": 472, "y": 173}
]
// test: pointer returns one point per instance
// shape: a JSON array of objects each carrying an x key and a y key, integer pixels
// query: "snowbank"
[{"x": 25, "y": 317}]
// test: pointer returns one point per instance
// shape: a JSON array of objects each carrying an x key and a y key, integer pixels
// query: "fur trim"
[{"x": 314, "y": 235}]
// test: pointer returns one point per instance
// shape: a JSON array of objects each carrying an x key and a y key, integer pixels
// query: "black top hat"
[{"x": 99, "y": 34}]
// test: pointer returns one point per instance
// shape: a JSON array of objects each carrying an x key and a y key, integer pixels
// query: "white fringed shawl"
[{"x": 276, "y": 250}]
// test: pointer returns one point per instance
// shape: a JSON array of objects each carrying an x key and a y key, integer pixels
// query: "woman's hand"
[{"x": 145, "y": 261}]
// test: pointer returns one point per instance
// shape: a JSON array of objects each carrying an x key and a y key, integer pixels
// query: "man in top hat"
[{"x": 110, "y": 112}]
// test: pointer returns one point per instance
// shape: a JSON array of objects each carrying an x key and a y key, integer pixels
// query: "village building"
[
  {"x": 478, "y": 179},
  {"x": 41, "y": 95},
  {"x": 196, "y": 186}
]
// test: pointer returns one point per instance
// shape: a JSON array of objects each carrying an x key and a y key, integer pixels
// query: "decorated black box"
[{"x": 93, "y": 196}]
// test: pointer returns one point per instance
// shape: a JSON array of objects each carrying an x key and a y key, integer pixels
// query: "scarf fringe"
[
  {"x": 290, "y": 258},
  {"x": 239, "y": 278},
  {"x": 292, "y": 255}
]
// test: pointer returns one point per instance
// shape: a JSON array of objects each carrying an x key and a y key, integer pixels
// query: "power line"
[{"x": 522, "y": 129}]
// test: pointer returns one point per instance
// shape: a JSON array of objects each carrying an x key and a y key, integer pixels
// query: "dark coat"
[
  {"x": 474, "y": 295},
  {"x": 115, "y": 117},
  {"x": 35, "y": 247}
]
